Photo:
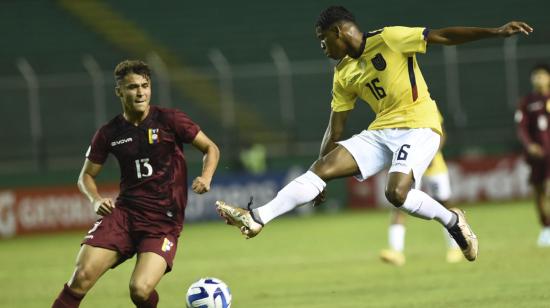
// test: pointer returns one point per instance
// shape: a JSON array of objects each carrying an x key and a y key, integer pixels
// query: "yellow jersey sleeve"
[
  {"x": 405, "y": 39},
  {"x": 342, "y": 100},
  {"x": 437, "y": 166}
]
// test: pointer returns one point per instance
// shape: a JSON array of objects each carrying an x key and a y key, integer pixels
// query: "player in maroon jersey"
[
  {"x": 533, "y": 116},
  {"x": 147, "y": 217}
]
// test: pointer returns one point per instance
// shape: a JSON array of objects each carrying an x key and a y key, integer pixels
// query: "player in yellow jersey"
[
  {"x": 379, "y": 67},
  {"x": 435, "y": 183}
]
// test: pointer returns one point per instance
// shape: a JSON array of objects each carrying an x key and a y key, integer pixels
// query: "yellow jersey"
[
  {"x": 437, "y": 166},
  {"x": 388, "y": 78}
]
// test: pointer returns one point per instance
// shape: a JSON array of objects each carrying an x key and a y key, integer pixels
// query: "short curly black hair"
[
  {"x": 132, "y": 66},
  {"x": 331, "y": 15}
]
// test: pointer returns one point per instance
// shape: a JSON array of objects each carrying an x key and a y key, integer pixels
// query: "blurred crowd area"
[{"x": 253, "y": 76}]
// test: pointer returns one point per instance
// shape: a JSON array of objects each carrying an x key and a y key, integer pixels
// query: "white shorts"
[
  {"x": 404, "y": 149},
  {"x": 438, "y": 186}
]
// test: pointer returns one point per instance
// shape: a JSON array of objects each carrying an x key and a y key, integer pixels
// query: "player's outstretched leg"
[{"x": 301, "y": 190}]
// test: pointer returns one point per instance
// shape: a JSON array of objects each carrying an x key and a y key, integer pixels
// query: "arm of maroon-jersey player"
[
  {"x": 88, "y": 186},
  {"x": 460, "y": 35},
  {"x": 201, "y": 184},
  {"x": 523, "y": 119}
]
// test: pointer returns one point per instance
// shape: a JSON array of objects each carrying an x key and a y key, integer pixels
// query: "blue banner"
[{"x": 236, "y": 189}]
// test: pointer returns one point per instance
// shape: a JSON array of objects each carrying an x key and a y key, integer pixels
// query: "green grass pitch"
[{"x": 328, "y": 260}]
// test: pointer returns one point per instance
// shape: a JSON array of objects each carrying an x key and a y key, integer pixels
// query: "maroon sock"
[
  {"x": 151, "y": 302},
  {"x": 67, "y": 298}
]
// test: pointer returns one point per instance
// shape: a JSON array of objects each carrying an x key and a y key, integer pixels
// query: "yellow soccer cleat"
[
  {"x": 239, "y": 218},
  {"x": 392, "y": 257}
]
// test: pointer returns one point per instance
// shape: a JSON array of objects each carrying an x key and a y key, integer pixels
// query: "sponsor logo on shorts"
[
  {"x": 400, "y": 164},
  {"x": 167, "y": 245}
]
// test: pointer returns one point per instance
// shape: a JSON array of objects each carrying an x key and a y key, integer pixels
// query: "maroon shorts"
[
  {"x": 540, "y": 170},
  {"x": 123, "y": 232}
]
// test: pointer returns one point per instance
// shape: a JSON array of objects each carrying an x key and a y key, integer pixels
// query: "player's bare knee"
[
  {"x": 83, "y": 279},
  {"x": 397, "y": 194},
  {"x": 140, "y": 290}
]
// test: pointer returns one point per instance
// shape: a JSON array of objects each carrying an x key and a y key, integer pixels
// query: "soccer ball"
[{"x": 208, "y": 293}]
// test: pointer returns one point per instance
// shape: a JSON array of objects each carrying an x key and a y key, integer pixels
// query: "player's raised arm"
[
  {"x": 460, "y": 35},
  {"x": 88, "y": 186},
  {"x": 201, "y": 184}
]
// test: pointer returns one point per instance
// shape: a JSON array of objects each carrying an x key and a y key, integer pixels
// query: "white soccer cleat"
[
  {"x": 239, "y": 218},
  {"x": 464, "y": 236},
  {"x": 392, "y": 257}
]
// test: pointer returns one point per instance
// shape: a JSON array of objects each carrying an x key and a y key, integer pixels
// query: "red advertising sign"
[{"x": 41, "y": 210}]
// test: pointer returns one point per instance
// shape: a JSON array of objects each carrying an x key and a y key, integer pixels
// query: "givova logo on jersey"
[
  {"x": 153, "y": 134},
  {"x": 121, "y": 141}
]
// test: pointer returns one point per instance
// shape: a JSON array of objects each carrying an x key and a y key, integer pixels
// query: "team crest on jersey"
[
  {"x": 153, "y": 134},
  {"x": 379, "y": 62},
  {"x": 167, "y": 245}
]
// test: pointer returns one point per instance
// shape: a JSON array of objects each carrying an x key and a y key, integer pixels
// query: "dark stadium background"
[{"x": 252, "y": 72}]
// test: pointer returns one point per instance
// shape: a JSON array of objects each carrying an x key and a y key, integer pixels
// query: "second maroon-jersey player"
[{"x": 533, "y": 118}]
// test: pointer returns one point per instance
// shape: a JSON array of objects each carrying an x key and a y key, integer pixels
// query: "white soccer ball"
[{"x": 208, "y": 293}]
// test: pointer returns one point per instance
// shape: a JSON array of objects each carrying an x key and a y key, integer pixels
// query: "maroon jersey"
[
  {"x": 153, "y": 172},
  {"x": 533, "y": 117}
]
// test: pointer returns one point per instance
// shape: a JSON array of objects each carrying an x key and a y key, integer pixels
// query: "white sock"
[
  {"x": 396, "y": 237},
  {"x": 419, "y": 204},
  {"x": 451, "y": 243},
  {"x": 545, "y": 232},
  {"x": 301, "y": 190}
]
